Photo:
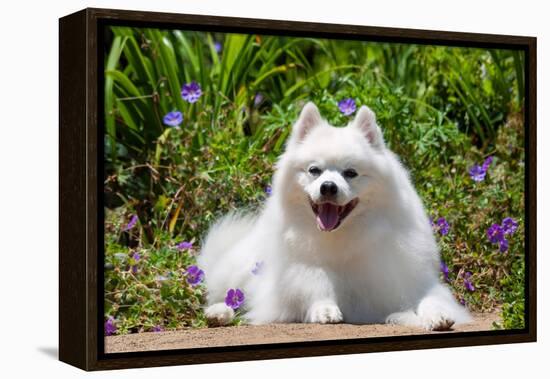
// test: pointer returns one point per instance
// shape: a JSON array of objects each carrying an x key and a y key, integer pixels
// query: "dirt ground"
[{"x": 272, "y": 333}]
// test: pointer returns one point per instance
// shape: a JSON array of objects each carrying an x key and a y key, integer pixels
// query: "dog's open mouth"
[{"x": 329, "y": 215}]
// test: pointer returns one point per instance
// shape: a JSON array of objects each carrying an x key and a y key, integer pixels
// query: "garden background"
[{"x": 194, "y": 122}]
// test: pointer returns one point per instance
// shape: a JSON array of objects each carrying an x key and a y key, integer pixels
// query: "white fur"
[
  {"x": 219, "y": 314},
  {"x": 380, "y": 265}
]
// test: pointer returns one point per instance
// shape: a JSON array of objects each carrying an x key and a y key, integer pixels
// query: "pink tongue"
[{"x": 327, "y": 217}]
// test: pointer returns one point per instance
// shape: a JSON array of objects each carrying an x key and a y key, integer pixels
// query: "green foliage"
[
  {"x": 151, "y": 291},
  {"x": 442, "y": 110},
  {"x": 513, "y": 307},
  {"x": 471, "y": 208}
]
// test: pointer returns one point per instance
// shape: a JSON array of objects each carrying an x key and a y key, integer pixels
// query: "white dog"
[{"x": 343, "y": 238}]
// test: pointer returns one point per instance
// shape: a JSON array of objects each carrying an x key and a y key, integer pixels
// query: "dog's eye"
[
  {"x": 350, "y": 173},
  {"x": 315, "y": 171}
]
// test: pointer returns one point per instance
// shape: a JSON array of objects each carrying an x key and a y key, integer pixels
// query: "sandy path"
[{"x": 272, "y": 333}]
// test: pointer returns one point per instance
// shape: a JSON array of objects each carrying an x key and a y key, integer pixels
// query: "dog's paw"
[
  {"x": 219, "y": 314},
  {"x": 324, "y": 313},
  {"x": 402, "y": 318},
  {"x": 438, "y": 323}
]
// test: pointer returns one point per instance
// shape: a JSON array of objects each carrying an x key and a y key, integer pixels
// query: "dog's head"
[{"x": 334, "y": 171}]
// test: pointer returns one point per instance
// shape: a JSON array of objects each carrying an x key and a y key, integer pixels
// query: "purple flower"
[
  {"x": 133, "y": 221},
  {"x": 268, "y": 190},
  {"x": 136, "y": 257},
  {"x": 218, "y": 47},
  {"x": 497, "y": 233},
  {"x": 258, "y": 98},
  {"x": 442, "y": 226},
  {"x": 494, "y": 233},
  {"x": 173, "y": 119},
  {"x": 258, "y": 268},
  {"x": 467, "y": 283},
  {"x": 477, "y": 173},
  {"x": 444, "y": 270},
  {"x": 487, "y": 163},
  {"x": 469, "y": 286},
  {"x": 191, "y": 92},
  {"x": 462, "y": 301},
  {"x": 347, "y": 106},
  {"x": 184, "y": 245},
  {"x": 503, "y": 245},
  {"x": 509, "y": 225},
  {"x": 194, "y": 275},
  {"x": 157, "y": 328},
  {"x": 234, "y": 298},
  {"x": 110, "y": 327}
]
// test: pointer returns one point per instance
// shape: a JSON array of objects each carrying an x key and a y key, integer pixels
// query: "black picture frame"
[{"x": 81, "y": 186}]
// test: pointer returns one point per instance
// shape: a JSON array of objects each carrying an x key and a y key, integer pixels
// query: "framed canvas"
[{"x": 242, "y": 189}]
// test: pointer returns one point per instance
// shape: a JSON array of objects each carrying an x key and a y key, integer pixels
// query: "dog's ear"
[
  {"x": 309, "y": 119},
  {"x": 365, "y": 121}
]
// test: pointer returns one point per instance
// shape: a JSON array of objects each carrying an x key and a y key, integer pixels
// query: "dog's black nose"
[{"x": 329, "y": 189}]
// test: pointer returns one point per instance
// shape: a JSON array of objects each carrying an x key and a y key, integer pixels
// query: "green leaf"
[{"x": 112, "y": 62}]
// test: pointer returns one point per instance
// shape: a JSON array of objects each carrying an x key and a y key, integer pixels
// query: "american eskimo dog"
[{"x": 343, "y": 238}]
